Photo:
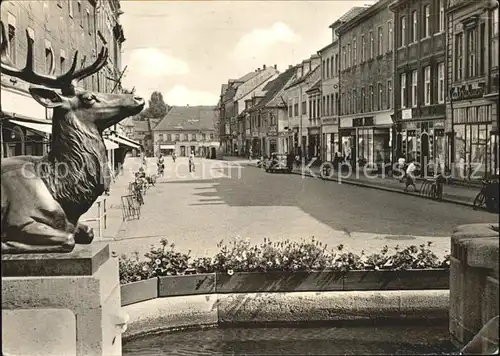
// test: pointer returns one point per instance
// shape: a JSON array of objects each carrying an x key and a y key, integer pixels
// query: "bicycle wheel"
[{"x": 479, "y": 200}]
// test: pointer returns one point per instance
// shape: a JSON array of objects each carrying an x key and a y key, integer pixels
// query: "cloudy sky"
[{"x": 187, "y": 49}]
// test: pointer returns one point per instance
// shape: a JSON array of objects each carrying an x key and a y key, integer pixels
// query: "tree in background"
[{"x": 157, "y": 108}]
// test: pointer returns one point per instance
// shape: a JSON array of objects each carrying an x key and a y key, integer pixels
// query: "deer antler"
[{"x": 65, "y": 82}]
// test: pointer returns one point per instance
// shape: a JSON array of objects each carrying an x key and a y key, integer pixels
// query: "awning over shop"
[
  {"x": 110, "y": 145},
  {"x": 167, "y": 147},
  {"x": 46, "y": 128},
  {"x": 125, "y": 141}
]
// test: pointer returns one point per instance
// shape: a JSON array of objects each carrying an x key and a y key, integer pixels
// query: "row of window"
[
  {"x": 473, "y": 62},
  {"x": 368, "y": 99},
  {"x": 61, "y": 66},
  {"x": 411, "y": 95},
  {"x": 185, "y": 137},
  {"x": 421, "y": 29},
  {"x": 330, "y": 66},
  {"x": 368, "y": 50}
]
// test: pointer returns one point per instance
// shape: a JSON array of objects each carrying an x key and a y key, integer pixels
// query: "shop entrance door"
[{"x": 424, "y": 153}]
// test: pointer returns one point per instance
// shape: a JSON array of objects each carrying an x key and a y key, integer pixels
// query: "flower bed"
[{"x": 283, "y": 256}]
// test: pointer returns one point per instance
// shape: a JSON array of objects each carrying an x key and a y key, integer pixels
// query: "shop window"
[{"x": 296, "y": 109}]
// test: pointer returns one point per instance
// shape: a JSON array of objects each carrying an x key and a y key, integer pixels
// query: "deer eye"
[{"x": 89, "y": 99}]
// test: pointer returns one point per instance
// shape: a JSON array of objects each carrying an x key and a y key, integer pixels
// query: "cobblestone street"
[{"x": 222, "y": 200}]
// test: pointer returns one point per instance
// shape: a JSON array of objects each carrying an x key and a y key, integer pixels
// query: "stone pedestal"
[
  {"x": 474, "y": 278},
  {"x": 61, "y": 304}
]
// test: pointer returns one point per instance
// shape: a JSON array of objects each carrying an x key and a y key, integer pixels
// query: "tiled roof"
[
  {"x": 188, "y": 118},
  {"x": 303, "y": 78},
  {"x": 349, "y": 15},
  {"x": 274, "y": 87},
  {"x": 141, "y": 125},
  {"x": 247, "y": 76}
]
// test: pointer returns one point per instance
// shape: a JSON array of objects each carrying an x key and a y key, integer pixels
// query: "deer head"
[{"x": 96, "y": 111}]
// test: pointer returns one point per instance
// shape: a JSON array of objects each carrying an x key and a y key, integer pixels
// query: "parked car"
[{"x": 277, "y": 163}]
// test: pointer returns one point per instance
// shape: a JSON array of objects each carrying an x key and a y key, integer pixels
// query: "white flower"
[
  {"x": 144, "y": 268},
  {"x": 230, "y": 272},
  {"x": 158, "y": 262}
]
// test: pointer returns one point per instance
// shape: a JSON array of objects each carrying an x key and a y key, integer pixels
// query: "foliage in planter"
[{"x": 240, "y": 256}]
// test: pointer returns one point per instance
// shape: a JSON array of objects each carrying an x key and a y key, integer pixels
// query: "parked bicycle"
[{"x": 487, "y": 196}]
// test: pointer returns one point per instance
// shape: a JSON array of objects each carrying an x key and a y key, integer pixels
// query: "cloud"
[
  {"x": 152, "y": 62},
  {"x": 262, "y": 39},
  {"x": 180, "y": 95}
]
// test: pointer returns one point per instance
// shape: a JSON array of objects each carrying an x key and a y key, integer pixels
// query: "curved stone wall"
[{"x": 474, "y": 278}]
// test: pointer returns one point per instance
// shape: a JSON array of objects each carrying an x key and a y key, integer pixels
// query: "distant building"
[
  {"x": 305, "y": 135},
  {"x": 268, "y": 119},
  {"x": 187, "y": 129},
  {"x": 366, "y": 85},
  {"x": 232, "y": 104},
  {"x": 419, "y": 82}
]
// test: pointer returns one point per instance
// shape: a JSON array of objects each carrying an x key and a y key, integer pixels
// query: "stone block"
[
  {"x": 473, "y": 279},
  {"x": 93, "y": 299},
  {"x": 34, "y": 332}
]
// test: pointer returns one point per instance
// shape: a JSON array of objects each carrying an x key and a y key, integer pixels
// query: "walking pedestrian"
[
  {"x": 250, "y": 154},
  {"x": 410, "y": 178},
  {"x": 191, "y": 162}
]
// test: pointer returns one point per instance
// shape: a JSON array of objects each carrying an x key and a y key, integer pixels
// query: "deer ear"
[{"x": 46, "y": 97}]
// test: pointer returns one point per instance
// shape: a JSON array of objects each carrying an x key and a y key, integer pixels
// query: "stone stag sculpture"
[{"x": 42, "y": 198}]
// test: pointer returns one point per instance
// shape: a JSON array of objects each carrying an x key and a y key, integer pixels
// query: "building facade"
[
  {"x": 472, "y": 78},
  {"x": 232, "y": 105},
  {"x": 419, "y": 83},
  {"x": 366, "y": 82},
  {"x": 58, "y": 29},
  {"x": 187, "y": 129},
  {"x": 268, "y": 117},
  {"x": 307, "y": 75},
  {"x": 329, "y": 107}
]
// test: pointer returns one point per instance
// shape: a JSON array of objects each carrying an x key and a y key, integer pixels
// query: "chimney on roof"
[
  {"x": 290, "y": 66},
  {"x": 275, "y": 66},
  {"x": 264, "y": 67}
]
